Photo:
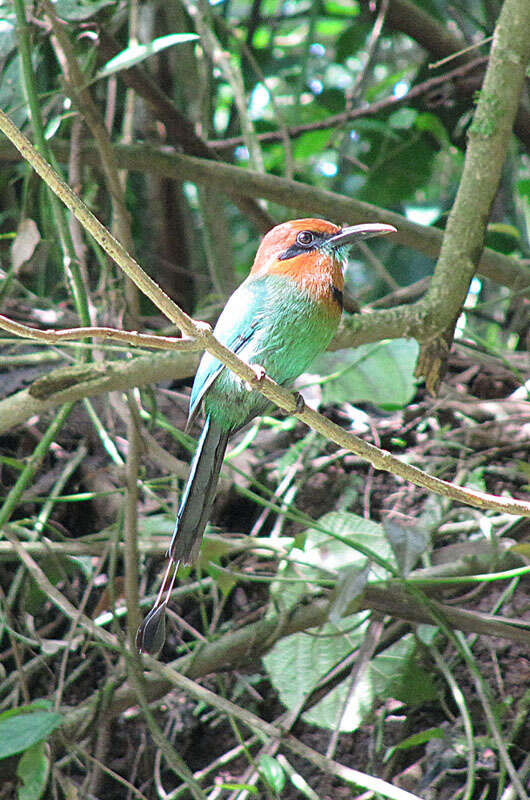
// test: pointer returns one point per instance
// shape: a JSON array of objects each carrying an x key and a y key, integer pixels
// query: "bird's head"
[{"x": 310, "y": 244}]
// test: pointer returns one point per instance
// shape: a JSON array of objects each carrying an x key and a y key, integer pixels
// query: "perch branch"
[{"x": 202, "y": 332}]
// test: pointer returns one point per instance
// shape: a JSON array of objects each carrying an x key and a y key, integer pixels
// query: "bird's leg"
[{"x": 260, "y": 373}]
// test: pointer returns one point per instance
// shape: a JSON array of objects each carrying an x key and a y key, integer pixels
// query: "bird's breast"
[{"x": 317, "y": 275}]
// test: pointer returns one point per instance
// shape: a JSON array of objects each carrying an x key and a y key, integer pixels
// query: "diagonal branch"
[{"x": 202, "y": 332}]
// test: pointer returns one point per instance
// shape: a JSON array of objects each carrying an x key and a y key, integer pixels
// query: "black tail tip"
[{"x": 151, "y": 634}]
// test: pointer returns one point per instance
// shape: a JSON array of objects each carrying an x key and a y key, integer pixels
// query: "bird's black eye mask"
[{"x": 306, "y": 241}]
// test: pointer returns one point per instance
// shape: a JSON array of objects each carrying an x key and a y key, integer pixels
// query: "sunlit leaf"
[
  {"x": 272, "y": 772},
  {"x": 137, "y": 53}
]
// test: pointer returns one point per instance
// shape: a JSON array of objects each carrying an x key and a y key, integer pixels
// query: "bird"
[{"x": 278, "y": 320}]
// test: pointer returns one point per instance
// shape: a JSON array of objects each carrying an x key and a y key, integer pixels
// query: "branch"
[
  {"x": 238, "y": 649},
  {"x": 70, "y": 384},
  {"x": 440, "y": 42},
  {"x": 179, "y": 129},
  {"x": 202, "y": 332},
  {"x": 488, "y": 137},
  {"x": 300, "y": 196},
  {"x": 311, "y": 200},
  {"x": 134, "y": 338},
  {"x": 336, "y": 120}
]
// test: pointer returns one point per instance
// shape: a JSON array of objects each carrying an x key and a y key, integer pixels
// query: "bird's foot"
[
  {"x": 300, "y": 403},
  {"x": 259, "y": 373},
  {"x": 202, "y": 328}
]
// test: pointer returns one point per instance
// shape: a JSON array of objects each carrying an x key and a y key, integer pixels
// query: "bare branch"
[{"x": 202, "y": 332}]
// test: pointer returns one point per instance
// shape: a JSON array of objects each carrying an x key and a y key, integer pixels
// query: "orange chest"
[{"x": 317, "y": 274}]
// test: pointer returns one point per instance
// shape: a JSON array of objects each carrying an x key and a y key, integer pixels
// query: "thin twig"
[
  {"x": 53, "y": 336},
  {"x": 294, "y": 131}
]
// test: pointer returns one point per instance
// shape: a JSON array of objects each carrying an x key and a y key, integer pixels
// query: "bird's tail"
[{"x": 199, "y": 494}]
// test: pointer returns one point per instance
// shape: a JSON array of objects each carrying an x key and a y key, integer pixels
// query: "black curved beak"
[{"x": 354, "y": 233}]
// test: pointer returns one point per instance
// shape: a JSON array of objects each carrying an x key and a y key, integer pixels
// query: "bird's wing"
[{"x": 235, "y": 327}]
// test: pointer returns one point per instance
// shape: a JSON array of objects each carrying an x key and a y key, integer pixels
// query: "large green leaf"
[
  {"x": 296, "y": 664},
  {"x": 399, "y": 161},
  {"x": 22, "y": 730},
  {"x": 381, "y": 373}
]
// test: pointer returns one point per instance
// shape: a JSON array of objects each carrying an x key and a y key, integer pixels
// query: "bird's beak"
[{"x": 354, "y": 233}]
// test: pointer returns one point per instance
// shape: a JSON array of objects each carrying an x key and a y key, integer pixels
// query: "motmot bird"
[{"x": 283, "y": 315}]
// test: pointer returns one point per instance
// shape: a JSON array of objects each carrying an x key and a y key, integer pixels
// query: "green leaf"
[
  {"x": 297, "y": 663},
  {"x": 33, "y": 770},
  {"x": 395, "y": 673},
  {"x": 344, "y": 540},
  {"x": 403, "y": 118},
  {"x": 310, "y": 143},
  {"x": 351, "y": 40},
  {"x": 76, "y": 10},
  {"x": 272, "y": 772},
  {"x": 523, "y": 188},
  {"x": 139, "y": 52},
  {"x": 382, "y": 374},
  {"x": 350, "y": 584},
  {"x": 415, "y": 740},
  {"x": 396, "y": 171},
  {"x": 12, "y": 99},
  {"x": 408, "y": 543},
  {"x": 433, "y": 125},
  {"x": 502, "y": 237},
  {"x": 22, "y": 730}
]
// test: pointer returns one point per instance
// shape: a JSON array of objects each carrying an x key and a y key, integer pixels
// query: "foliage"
[{"x": 346, "y": 581}]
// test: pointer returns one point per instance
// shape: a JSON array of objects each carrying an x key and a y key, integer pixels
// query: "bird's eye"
[{"x": 305, "y": 238}]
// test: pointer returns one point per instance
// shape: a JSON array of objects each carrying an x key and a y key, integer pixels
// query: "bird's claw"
[
  {"x": 259, "y": 373},
  {"x": 300, "y": 403}
]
